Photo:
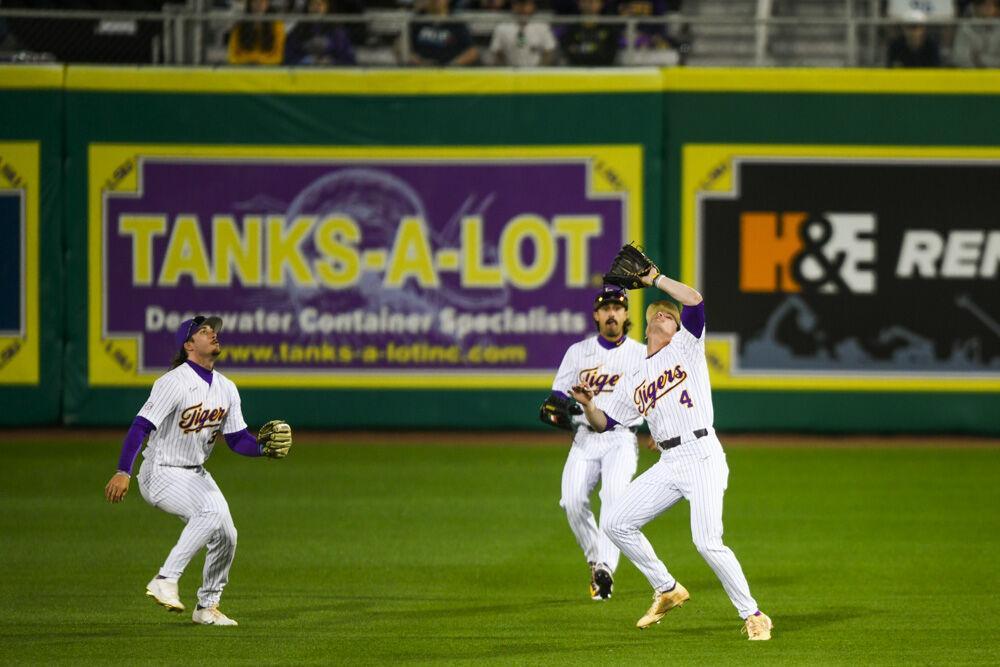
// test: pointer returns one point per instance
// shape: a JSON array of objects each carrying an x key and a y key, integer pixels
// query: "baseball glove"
[
  {"x": 628, "y": 267},
  {"x": 558, "y": 411},
  {"x": 275, "y": 439}
]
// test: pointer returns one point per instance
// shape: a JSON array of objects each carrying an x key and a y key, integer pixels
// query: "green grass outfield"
[{"x": 381, "y": 553}]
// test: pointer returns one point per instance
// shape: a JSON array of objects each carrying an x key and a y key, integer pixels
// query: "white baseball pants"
[
  {"x": 697, "y": 471},
  {"x": 193, "y": 495},
  {"x": 611, "y": 458}
]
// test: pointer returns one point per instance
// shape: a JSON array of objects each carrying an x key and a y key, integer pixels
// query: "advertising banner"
[
  {"x": 19, "y": 219},
  {"x": 846, "y": 268},
  {"x": 354, "y": 267}
]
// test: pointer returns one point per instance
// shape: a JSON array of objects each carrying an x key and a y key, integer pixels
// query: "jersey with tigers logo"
[
  {"x": 610, "y": 457},
  {"x": 189, "y": 414},
  {"x": 599, "y": 366},
  {"x": 670, "y": 390}
]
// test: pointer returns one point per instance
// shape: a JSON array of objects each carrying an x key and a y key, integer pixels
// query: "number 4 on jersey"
[{"x": 685, "y": 399}]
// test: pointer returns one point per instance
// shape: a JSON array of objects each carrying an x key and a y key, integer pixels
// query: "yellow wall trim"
[
  {"x": 32, "y": 76},
  {"x": 360, "y": 81},
  {"x": 841, "y": 80}
]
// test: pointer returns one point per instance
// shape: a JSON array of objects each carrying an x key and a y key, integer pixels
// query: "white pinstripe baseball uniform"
[
  {"x": 671, "y": 390},
  {"x": 610, "y": 456},
  {"x": 189, "y": 414}
]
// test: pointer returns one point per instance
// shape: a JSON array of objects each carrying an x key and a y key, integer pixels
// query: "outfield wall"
[
  {"x": 31, "y": 250},
  {"x": 417, "y": 249}
]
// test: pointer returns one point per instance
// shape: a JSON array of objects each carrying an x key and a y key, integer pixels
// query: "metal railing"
[{"x": 185, "y": 35}]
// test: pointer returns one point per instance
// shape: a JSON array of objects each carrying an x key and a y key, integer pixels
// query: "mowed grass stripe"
[{"x": 450, "y": 554}]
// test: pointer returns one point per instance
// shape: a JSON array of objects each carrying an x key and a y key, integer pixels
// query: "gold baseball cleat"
[
  {"x": 662, "y": 603},
  {"x": 758, "y": 627}
]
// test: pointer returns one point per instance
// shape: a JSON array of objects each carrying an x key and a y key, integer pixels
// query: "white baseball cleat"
[
  {"x": 165, "y": 594},
  {"x": 211, "y": 616}
]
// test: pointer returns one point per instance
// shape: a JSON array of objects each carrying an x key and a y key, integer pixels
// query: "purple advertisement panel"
[{"x": 348, "y": 271}]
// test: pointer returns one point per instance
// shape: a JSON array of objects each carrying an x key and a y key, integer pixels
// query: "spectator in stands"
[
  {"x": 357, "y": 31},
  {"x": 651, "y": 35},
  {"x": 257, "y": 40},
  {"x": 590, "y": 44},
  {"x": 482, "y": 5},
  {"x": 440, "y": 40},
  {"x": 651, "y": 45},
  {"x": 914, "y": 47},
  {"x": 318, "y": 43},
  {"x": 979, "y": 45},
  {"x": 523, "y": 42},
  {"x": 571, "y": 8}
]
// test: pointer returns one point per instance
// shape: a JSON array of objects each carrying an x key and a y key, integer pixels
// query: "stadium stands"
[{"x": 778, "y": 33}]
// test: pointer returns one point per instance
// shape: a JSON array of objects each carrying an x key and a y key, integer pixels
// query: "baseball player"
[
  {"x": 670, "y": 389},
  {"x": 611, "y": 456},
  {"x": 187, "y": 410}
]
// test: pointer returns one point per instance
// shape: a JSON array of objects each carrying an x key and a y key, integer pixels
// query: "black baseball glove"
[
  {"x": 558, "y": 411},
  {"x": 628, "y": 267}
]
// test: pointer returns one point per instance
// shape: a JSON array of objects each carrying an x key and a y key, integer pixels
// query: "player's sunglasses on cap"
[
  {"x": 190, "y": 327},
  {"x": 611, "y": 294}
]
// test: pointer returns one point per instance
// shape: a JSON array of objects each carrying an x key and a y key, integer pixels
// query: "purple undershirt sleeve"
[
  {"x": 611, "y": 422},
  {"x": 243, "y": 443},
  {"x": 559, "y": 393},
  {"x": 693, "y": 319},
  {"x": 141, "y": 427}
]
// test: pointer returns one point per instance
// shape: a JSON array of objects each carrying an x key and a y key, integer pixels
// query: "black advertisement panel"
[{"x": 839, "y": 271}]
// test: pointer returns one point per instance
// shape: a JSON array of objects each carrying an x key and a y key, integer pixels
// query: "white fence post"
[{"x": 764, "y": 8}]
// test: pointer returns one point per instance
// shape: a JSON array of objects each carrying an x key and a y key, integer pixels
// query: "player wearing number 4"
[
  {"x": 187, "y": 409},
  {"x": 611, "y": 456},
  {"x": 670, "y": 388}
]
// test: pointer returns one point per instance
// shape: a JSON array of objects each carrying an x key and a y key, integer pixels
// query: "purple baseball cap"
[
  {"x": 611, "y": 294},
  {"x": 190, "y": 327}
]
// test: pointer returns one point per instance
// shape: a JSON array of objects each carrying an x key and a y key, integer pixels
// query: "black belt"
[{"x": 676, "y": 440}]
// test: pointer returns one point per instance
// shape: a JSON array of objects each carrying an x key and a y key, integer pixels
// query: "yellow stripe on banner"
[
  {"x": 364, "y": 82},
  {"x": 845, "y": 80},
  {"x": 32, "y": 76}
]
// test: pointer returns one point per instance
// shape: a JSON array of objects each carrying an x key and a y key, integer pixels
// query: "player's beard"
[{"x": 611, "y": 328}]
